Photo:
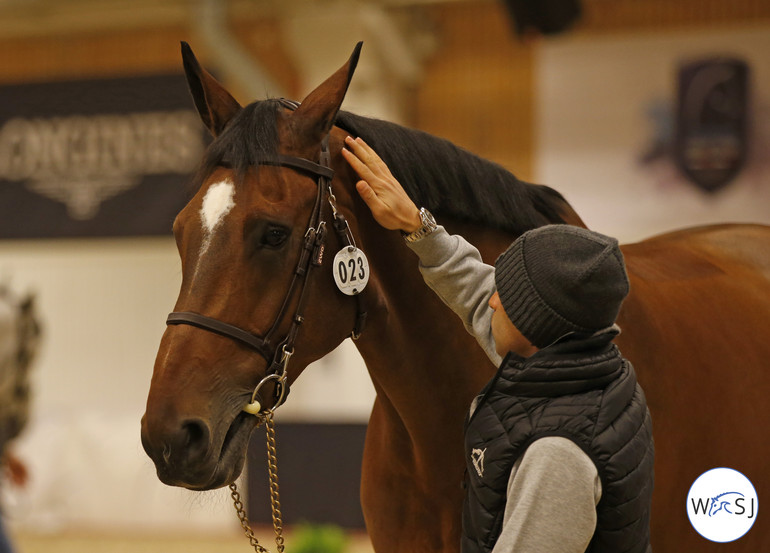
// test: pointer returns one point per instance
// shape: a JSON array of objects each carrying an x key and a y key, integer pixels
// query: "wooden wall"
[
  {"x": 131, "y": 51},
  {"x": 478, "y": 88}
]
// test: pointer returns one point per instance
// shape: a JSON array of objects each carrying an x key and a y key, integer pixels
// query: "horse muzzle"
[{"x": 187, "y": 453}]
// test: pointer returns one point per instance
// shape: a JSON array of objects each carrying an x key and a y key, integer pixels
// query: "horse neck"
[{"x": 425, "y": 367}]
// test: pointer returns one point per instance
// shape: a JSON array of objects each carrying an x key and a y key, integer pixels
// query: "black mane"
[{"x": 450, "y": 181}]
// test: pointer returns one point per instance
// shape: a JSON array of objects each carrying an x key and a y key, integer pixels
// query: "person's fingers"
[
  {"x": 368, "y": 157},
  {"x": 381, "y": 211},
  {"x": 373, "y": 161},
  {"x": 358, "y": 166},
  {"x": 360, "y": 148},
  {"x": 380, "y": 190},
  {"x": 378, "y": 183},
  {"x": 367, "y": 194}
]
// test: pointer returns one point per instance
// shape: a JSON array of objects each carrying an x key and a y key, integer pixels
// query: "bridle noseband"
[{"x": 277, "y": 353}]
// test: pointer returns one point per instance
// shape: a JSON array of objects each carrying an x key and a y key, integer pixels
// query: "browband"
[{"x": 298, "y": 163}]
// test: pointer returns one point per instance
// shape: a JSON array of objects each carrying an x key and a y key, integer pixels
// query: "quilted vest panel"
[{"x": 584, "y": 391}]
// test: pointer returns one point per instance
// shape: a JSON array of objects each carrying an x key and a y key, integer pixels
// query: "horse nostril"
[{"x": 194, "y": 438}]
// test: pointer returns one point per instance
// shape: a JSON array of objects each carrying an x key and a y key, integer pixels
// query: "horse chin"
[{"x": 234, "y": 449}]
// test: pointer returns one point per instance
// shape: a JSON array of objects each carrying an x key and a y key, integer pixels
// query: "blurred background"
[{"x": 648, "y": 115}]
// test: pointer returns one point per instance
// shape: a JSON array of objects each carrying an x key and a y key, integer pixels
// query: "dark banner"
[
  {"x": 320, "y": 474},
  {"x": 712, "y": 121},
  {"x": 107, "y": 157}
]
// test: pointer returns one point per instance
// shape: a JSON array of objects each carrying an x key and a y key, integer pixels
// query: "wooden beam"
[{"x": 603, "y": 16}]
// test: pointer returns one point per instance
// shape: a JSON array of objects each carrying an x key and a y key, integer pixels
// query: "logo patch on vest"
[{"x": 477, "y": 457}]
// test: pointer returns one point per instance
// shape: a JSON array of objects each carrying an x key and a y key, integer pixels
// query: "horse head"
[{"x": 254, "y": 275}]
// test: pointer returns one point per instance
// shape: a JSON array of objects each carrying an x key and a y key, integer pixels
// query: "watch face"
[{"x": 428, "y": 225}]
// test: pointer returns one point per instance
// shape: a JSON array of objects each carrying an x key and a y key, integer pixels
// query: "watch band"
[{"x": 428, "y": 226}]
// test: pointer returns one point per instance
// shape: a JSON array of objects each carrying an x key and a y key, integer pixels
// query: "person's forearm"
[{"x": 453, "y": 269}]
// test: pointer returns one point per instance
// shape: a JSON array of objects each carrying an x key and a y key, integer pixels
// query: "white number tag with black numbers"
[{"x": 351, "y": 270}]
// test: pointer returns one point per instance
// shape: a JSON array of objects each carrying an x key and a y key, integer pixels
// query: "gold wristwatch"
[{"x": 428, "y": 226}]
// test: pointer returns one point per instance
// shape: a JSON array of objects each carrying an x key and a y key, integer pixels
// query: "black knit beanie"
[{"x": 559, "y": 279}]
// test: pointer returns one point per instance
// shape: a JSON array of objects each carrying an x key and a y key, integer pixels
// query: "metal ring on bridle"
[{"x": 254, "y": 407}]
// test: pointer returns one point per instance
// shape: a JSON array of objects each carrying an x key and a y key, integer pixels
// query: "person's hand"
[
  {"x": 391, "y": 206},
  {"x": 16, "y": 470}
]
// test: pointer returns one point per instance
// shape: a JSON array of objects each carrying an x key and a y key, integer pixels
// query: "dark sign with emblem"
[
  {"x": 712, "y": 114},
  {"x": 107, "y": 157}
]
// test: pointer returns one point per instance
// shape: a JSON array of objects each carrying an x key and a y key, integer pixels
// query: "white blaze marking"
[{"x": 217, "y": 203}]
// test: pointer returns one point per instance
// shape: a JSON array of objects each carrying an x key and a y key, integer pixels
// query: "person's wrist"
[
  {"x": 414, "y": 223},
  {"x": 426, "y": 226}
]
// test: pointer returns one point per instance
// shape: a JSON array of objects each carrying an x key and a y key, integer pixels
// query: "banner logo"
[
  {"x": 96, "y": 157},
  {"x": 712, "y": 121},
  {"x": 82, "y": 161}
]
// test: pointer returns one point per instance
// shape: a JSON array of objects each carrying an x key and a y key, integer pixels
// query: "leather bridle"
[{"x": 278, "y": 352}]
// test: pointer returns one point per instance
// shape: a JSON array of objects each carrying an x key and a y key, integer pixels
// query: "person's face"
[{"x": 507, "y": 336}]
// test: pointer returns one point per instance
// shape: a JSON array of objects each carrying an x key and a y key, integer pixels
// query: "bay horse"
[{"x": 695, "y": 324}]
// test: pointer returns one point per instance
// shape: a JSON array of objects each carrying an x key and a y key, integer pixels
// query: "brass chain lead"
[
  {"x": 272, "y": 466},
  {"x": 275, "y": 503},
  {"x": 244, "y": 520}
]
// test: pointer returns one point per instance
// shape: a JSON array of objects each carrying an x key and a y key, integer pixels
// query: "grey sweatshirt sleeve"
[
  {"x": 453, "y": 269},
  {"x": 553, "y": 491}
]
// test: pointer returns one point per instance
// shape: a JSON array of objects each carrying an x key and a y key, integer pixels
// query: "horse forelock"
[{"x": 251, "y": 136}]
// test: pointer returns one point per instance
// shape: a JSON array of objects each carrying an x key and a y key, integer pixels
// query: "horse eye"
[{"x": 274, "y": 236}]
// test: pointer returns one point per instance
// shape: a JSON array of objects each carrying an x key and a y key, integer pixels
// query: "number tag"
[{"x": 351, "y": 270}]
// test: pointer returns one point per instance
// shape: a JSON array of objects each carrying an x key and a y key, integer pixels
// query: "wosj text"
[{"x": 728, "y": 503}]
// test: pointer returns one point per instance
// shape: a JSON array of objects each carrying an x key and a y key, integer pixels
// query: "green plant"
[{"x": 317, "y": 538}]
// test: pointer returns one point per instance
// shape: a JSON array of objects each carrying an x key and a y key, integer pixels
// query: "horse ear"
[
  {"x": 318, "y": 110},
  {"x": 215, "y": 104}
]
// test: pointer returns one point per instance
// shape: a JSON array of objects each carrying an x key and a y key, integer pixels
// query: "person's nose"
[{"x": 494, "y": 301}]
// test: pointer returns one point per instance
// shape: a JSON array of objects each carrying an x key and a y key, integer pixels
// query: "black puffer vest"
[{"x": 582, "y": 390}]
